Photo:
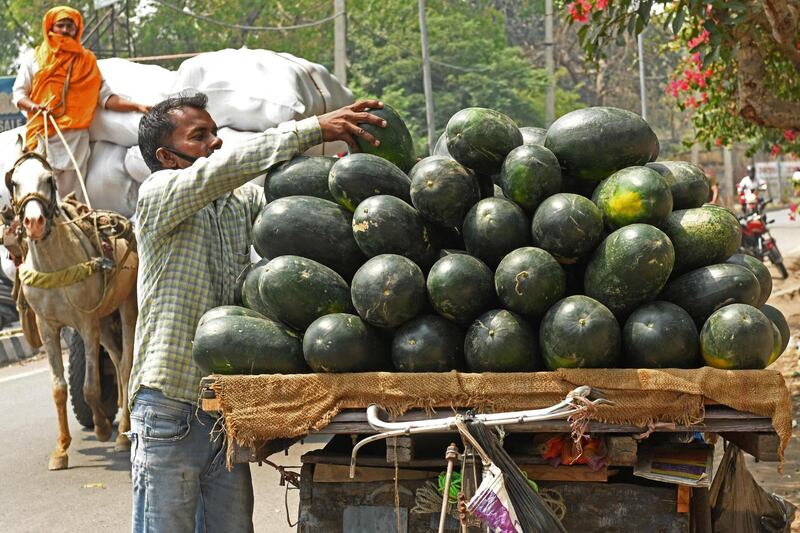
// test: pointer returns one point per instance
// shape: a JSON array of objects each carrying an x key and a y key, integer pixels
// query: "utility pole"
[
  {"x": 642, "y": 89},
  {"x": 340, "y": 41},
  {"x": 550, "y": 102},
  {"x": 426, "y": 76}
]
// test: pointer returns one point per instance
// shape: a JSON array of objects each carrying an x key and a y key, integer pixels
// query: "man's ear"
[{"x": 166, "y": 158}]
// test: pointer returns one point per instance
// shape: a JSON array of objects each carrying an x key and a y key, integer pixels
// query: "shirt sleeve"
[
  {"x": 104, "y": 95},
  {"x": 168, "y": 197},
  {"x": 23, "y": 85}
]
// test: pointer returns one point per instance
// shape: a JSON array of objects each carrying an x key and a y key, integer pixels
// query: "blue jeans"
[{"x": 180, "y": 481}]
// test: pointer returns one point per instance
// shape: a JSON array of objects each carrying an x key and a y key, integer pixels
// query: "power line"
[{"x": 214, "y": 21}]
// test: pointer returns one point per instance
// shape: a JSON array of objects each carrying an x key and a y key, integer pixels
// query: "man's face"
[
  {"x": 195, "y": 135},
  {"x": 65, "y": 27}
]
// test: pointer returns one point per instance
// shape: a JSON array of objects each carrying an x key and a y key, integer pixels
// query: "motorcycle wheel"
[{"x": 777, "y": 259}]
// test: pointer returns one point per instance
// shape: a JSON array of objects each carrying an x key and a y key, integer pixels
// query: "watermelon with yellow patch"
[
  {"x": 634, "y": 195},
  {"x": 738, "y": 336}
]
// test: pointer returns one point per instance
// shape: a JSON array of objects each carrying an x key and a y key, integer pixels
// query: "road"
[{"x": 94, "y": 494}]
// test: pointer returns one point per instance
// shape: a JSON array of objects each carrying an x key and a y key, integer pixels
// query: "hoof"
[
  {"x": 58, "y": 462},
  {"x": 103, "y": 432},
  {"x": 122, "y": 444}
]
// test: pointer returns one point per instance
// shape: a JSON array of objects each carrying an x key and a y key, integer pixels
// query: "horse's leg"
[
  {"x": 90, "y": 332},
  {"x": 52, "y": 344},
  {"x": 110, "y": 339},
  {"x": 128, "y": 312}
]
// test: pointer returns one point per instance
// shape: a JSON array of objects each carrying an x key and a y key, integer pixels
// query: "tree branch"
[
  {"x": 783, "y": 19},
  {"x": 755, "y": 101}
]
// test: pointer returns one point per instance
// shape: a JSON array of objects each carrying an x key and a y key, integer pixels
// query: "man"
[
  {"x": 195, "y": 216},
  {"x": 748, "y": 189}
]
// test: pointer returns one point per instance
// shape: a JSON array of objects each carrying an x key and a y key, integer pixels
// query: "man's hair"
[{"x": 156, "y": 126}]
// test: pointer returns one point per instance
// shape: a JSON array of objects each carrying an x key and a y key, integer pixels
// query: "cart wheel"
[{"x": 77, "y": 371}]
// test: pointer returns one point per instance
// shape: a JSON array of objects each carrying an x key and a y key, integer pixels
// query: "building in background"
[{"x": 10, "y": 117}]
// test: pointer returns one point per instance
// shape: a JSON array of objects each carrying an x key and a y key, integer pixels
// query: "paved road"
[{"x": 94, "y": 494}]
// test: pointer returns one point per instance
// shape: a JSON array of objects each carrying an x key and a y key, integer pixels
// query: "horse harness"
[{"x": 50, "y": 205}]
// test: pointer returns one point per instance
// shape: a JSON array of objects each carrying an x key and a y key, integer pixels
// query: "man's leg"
[{"x": 169, "y": 452}]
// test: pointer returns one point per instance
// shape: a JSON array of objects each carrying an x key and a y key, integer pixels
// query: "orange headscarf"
[{"x": 64, "y": 61}]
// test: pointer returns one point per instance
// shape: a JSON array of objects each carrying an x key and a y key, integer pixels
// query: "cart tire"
[{"x": 77, "y": 370}]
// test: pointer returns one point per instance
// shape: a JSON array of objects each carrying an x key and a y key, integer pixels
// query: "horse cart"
[{"x": 646, "y": 461}]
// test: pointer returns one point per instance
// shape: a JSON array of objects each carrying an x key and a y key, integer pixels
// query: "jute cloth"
[{"x": 266, "y": 407}]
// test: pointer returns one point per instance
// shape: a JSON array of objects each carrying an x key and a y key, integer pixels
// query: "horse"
[{"x": 68, "y": 281}]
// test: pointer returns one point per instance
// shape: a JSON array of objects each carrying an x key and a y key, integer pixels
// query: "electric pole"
[
  {"x": 642, "y": 90},
  {"x": 340, "y": 41},
  {"x": 426, "y": 76}
]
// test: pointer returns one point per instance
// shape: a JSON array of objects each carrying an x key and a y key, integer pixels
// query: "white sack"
[
  {"x": 107, "y": 183},
  {"x": 135, "y": 165},
  {"x": 9, "y": 153}
]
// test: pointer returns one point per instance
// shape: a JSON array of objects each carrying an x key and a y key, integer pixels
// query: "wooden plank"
[
  {"x": 211, "y": 405},
  {"x": 327, "y": 473},
  {"x": 762, "y": 446},
  {"x": 700, "y": 512},
  {"x": 622, "y": 450},
  {"x": 579, "y": 473},
  {"x": 684, "y": 498}
]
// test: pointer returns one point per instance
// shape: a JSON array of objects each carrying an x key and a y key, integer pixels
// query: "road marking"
[{"x": 24, "y": 375}]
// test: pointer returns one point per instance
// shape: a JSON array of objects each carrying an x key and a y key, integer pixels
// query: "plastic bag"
[{"x": 740, "y": 505}]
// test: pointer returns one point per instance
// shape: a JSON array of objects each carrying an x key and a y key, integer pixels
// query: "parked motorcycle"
[{"x": 756, "y": 238}]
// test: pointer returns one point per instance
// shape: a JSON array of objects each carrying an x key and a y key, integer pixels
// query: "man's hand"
[{"x": 343, "y": 124}]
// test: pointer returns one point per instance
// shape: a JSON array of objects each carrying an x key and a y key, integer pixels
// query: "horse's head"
[{"x": 33, "y": 192}]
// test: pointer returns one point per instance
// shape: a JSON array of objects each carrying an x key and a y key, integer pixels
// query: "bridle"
[{"x": 49, "y": 205}]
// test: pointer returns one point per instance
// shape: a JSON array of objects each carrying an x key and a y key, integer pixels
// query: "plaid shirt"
[{"x": 194, "y": 232}]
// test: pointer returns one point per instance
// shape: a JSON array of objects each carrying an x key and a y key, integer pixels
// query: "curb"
[{"x": 14, "y": 347}]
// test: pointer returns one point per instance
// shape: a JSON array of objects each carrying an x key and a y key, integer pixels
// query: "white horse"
[{"x": 66, "y": 284}]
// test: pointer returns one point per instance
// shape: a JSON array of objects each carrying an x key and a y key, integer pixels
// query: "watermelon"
[
  {"x": 777, "y": 343},
  {"x": 571, "y": 184},
  {"x": 233, "y": 341},
  {"x": 300, "y": 176},
  {"x": 480, "y": 138},
  {"x": 629, "y": 268},
  {"x": 460, "y": 287},
  {"x": 738, "y": 336},
  {"x": 443, "y": 191},
  {"x": 428, "y": 343},
  {"x": 634, "y": 195},
  {"x": 760, "y": 271},
  {"x": 530, "y": 174},
  {"x": 532, "y": 135},
  {"x": 568, "y": 226},
  {"x": 501, "y": 341},
  {"x": 528, "y": 281},
  {"x": 396, "y": 145},
  {"x": 388, "y": 290},
  {"x": 300, "y": 290},
  {"x": 387, "y": 225},
  {"x": 689, "y": 185},
  {"x": 309, "y": 227},
  {"x": 251, "y": 298},
  {"x": 341, "y": 342},
  {"x": 702, "y": 236},
  {"x": 593, "y": 143},
  {"x": 228, "y": 310},
  {"x": 355, "y": 178},
  {"x": 660, "y": 335},
  {"x": 780, "y": 322},
  {"x": 441, "y": 146},
  {"x": 494, "y": 227},
  {"x": 579, "y": 332},
  {"x": 704, "y": 290},
  {"x": 486, "y": 185}
]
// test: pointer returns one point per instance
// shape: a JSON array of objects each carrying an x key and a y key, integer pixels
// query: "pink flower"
[
  {"x": 702, "y": 38},
  {"x": 601, "y": 4},
  {"x": 577, "y": 12},
  {"x": 718, "y": 141},
  {"x": 704, "y": 98},
  {"x": 789, "y": 135},
  {"x": 696, "y": 58},
  {"x": 776, "y": 149},
  {"x": 690, "y": 102}
]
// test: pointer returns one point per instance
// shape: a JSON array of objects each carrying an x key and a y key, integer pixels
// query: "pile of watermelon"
[{"x": 510, "y": 249}]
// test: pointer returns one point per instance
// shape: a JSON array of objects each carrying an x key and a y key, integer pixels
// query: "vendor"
[
  {"x": 195, "y": 218},
  {"x": 62, "y": 77}
]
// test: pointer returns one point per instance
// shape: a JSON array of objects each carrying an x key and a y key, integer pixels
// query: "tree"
[{"x": 739, "y": 74}]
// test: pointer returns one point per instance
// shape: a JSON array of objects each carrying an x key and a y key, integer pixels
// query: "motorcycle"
[{"x": 756, "y": 238}]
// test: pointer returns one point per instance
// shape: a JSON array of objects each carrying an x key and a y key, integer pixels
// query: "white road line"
[{"x": 24, "y": 375}]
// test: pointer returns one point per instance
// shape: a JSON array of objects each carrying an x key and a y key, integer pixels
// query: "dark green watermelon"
[
  {"x": 387, "y": 225},
  {"x": 528, "y": 281},
  {"x": 388, "y": 290},
  {"x": 532, "y": 135},
  {"x": 486, "y": 185},
  {"x": 441, "y": 146},
  {"x": 309, "y": 227},
  {"x": 428, "y": 343},
  {"x": 633, "y": 195},
  {"x": 480, "y": 138},
  {"x": 690, "y": 186},
  {"x": 228, "y": 310},
  {"x": 529, "y": 175},
  {"x": 777, "y": 343},
  {"x": 572, "y": 185},
  {"x": 494, "y": 227},
  {"x": 760, "y": 271},
  {"x": 660, "y": 335},
  {"x": 460, "y": 287},
  {"x": 300, "y": 290},
  {"x": 579, "y": 332},
  {"x": 396, "y": 145},
  {"x": 568, "y": 226},
  {"x": 235, "y": 342},
  {"x": 300, "y": 176},
  {"x": 501, "y": 341},
  {"x": 704, "y": 290},
  {"x": 442, "y": 190},
  {"x": 355, "y": 178},
  {"x": 341, "y": 342},
  {"x": 593, "y": 143},
  {"x": 251, "y": 298},
  {"x": 629, "y": 268},
  {"x": 738, "y": 336},
  {"x": 780, "y": 322},
  {"x": 702, "y": 236}
]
